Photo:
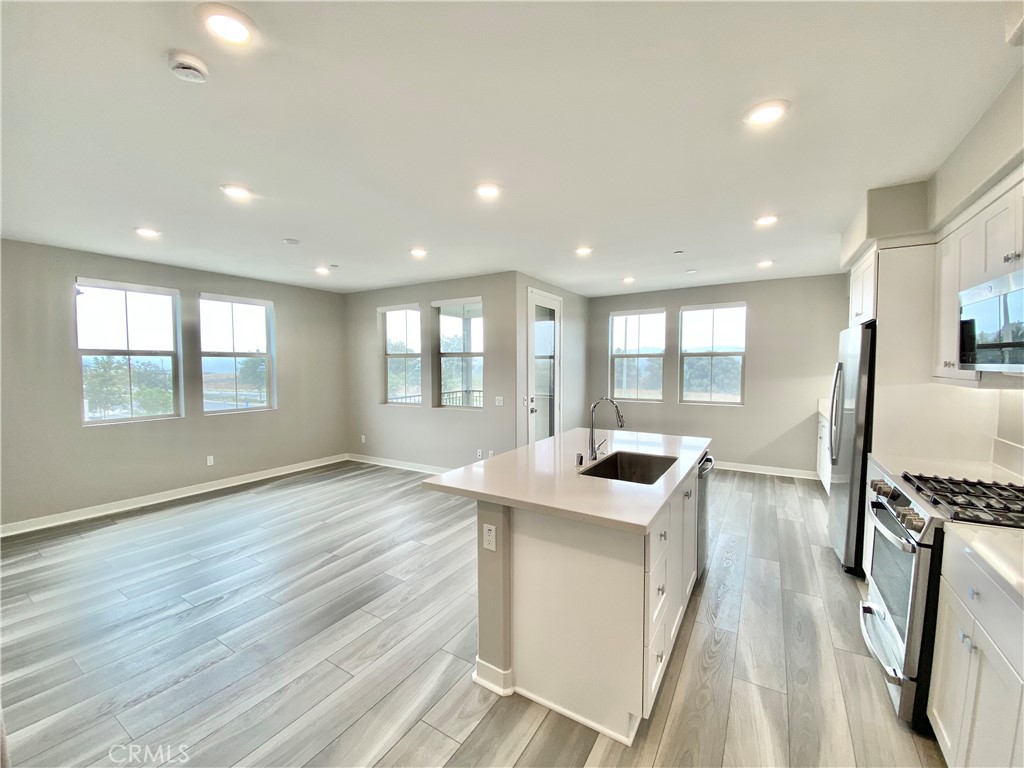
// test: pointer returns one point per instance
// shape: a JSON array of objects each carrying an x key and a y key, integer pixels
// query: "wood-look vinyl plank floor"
[{"x": 214, "y": 623}]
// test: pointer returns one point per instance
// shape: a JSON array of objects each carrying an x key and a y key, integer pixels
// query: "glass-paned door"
[{"x": 545, "y": 357}]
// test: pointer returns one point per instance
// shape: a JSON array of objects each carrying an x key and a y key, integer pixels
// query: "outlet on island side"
[
  {"x": 362, "y": 438},
  {"x": 490, "y": 454},
  {"x": 490, "y": 538},
  {"x": 479, "y": 453},
  {"x": 209, "y": 461}
]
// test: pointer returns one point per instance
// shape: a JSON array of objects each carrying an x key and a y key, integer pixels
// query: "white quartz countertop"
[
  {"x": 967, "y": 470},
  {"x": 543, "y": 477},
  {"x": 997, "y": 551}
]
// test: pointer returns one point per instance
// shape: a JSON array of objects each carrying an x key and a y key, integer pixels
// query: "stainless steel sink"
[{"x": 631, "y": 467}]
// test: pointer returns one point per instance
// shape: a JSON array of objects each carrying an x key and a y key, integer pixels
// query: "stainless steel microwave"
[{"x": 992, "y": 325}]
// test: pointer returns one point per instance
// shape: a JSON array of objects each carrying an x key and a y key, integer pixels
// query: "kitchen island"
[{"x": 582, "y": 580}]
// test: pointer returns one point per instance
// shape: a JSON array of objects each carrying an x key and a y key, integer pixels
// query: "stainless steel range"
[{"x": 903, "y": 557}]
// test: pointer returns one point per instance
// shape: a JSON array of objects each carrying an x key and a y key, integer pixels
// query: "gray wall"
[
  {"x": 792, "y": 341},
  {"x": 52, "y": 463},
  {"x": 450, "y": 437},
  {"x": 993, "y": 147},
  {"x": 423, "y": 434}
]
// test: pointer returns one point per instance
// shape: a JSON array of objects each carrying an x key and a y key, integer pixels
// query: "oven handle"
[
  {"x": 905, "y": 545},
  {"x": 891, "y": 674}
]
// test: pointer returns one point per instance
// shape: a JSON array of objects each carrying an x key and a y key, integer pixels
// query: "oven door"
[{"x": 892, "y": 617}]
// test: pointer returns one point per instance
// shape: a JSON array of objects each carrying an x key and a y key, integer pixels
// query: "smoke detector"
[{"x": 187, "y": 67}]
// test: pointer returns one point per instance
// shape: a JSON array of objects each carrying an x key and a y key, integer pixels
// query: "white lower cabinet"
[
  {"x": 824, "y": 462},
  {"x": 976, "y": 697},
  {"x": 671, "y": 573}
]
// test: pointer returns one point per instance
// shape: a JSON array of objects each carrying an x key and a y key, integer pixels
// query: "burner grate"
[{"x": 973, "y": 500}]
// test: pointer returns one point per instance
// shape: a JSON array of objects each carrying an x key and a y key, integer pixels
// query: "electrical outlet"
[
  {"x": 362, "y": 438},
  {"x": 209, "y": 461},
  {"x": 490, "y": 538},
  {"x": 490, "y": 454},
  {"x": 499, "y": 401},
  {"x": 479, "y": 453}
]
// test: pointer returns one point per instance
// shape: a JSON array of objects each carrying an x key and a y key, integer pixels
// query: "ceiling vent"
[{"x": 187, "y": 67}]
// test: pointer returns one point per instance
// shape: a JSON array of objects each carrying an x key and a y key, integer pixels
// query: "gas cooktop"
[{"x": 972, "y": 501}]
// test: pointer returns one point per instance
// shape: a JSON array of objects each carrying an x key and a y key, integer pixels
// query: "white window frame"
[
  {"x": 742, "y": 355},
  {"x": 270, "y": 355},
  {"x": 613, "y": 356},
  {"x": 175, "y": 355},
  {"x": 382, "y": 317},
  {"x": 437, "y": 305}
]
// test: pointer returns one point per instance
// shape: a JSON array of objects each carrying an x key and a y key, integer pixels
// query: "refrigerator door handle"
[{"x": 835, "y": 417}]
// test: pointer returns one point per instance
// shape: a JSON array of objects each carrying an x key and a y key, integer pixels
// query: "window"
[
  {"x": 637, "y": 354},
  {"x": 402, "y": 362},
  {"x": 461, "y": 345},
  {"x": 128, "y": 344},
  {"x": 236, "y": 339},
  {"x": 712, "y": 350}
]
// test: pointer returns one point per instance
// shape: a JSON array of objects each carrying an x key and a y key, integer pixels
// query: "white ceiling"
[{"x": 363, "y": 128}]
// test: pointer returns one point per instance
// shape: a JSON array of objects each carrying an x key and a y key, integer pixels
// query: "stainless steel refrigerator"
[{"x": 849, "y": 443}]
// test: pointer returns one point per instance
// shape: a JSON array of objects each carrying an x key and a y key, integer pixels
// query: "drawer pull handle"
[
  {"x": 664, "y": 536},
  {"x": 661, "y": 590},
  {"x": 965, "y": 638},
  {"x": 973, "y": 593},
  {"x": 661, "y": 656}
]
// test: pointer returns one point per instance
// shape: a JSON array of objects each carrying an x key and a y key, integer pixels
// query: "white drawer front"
[
  {"x": 655, "y": 664},
  {"x": 658, "y": 537},
  {"x": 991, "y": 607},
  {"x": 656, "y": 591}
]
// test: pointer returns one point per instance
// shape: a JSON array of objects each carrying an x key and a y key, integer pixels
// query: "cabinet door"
[
  {"x": 856, "y": 296},
  {"x": 867, "y": 286},
  {"x": 689, "y": 537},
  {"x": 990, "y": 242},
  {"x": 950, "y": 670},
  {"x": 947, "y": 311},
  {"x": 1002, "y": 236},
  {"x": 992, "y": 722}
]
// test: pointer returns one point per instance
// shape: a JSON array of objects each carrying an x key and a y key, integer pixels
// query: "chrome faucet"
[{"x": 618, "y": 417}]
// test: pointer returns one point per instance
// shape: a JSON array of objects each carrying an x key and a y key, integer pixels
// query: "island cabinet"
[
  {"x": 976, "y": 696},
  {"x": 583, "y": 579}
]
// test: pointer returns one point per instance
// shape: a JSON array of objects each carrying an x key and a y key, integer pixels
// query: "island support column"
[{"x": 494, "y": 600}]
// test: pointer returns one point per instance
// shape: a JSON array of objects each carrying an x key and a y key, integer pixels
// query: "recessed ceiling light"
[
  {"x": 767, "y": 220},
  {"x": 419, "y": 253},
  {"x": 765, "y": 264},
  {"x": 488, "y": 190},
  {"x": 322, "y": 271},
  {"x": 227, "y": 23},
  {"x": 290, "y": 241},
  {"x": 767, "y": 112},
  {"x": 629, "y": 280},
  {"x": 236, "y": 191},
  {"x": 147, "y": 232},
  {"x": 691, "y": 271},
  {"x": 584, "y": 250}
]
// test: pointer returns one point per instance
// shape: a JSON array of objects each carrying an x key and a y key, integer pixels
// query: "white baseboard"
[
  {"x": 758, "y": 469},
  {"x": 621, "y": 738},
  {"x": 425, "y": 468},
  {"x": 493, "y": 679},
  {"x": 126, "y": 505}
]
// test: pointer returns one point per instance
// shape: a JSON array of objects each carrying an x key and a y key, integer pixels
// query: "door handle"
[
  {"x": 533, "y": 410},
  {"x": 833, "y": 442},
  {"x": 889, "y": 672}
]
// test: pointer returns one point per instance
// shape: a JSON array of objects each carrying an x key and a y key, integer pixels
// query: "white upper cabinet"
[
  {"x": 989, "y": 245},
  {"x": 947, "y": 311},
  {"x": 862, "y": 289}
]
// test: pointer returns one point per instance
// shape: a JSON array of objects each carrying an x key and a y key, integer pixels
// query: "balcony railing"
[
  {"x": 467, "y": 398},
  {"x": 417, "y": 399}
]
